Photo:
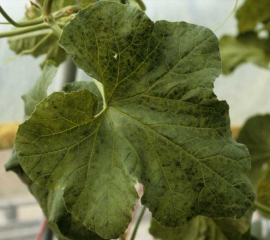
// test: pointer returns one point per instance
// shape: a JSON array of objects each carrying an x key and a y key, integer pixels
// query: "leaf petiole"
[
  {"x": 138, "y": 223},
  {"x": 21, "y": 24},
  {"x": 47, "y": 7},
  {"x": 226, "y": 19},
  {"x": 19, "y": 31},
  {"x": 262, "y": 207}
]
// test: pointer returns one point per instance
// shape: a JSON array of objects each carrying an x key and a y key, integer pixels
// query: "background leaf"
[
  {"x": 242, "y": 49},
  {"x": 32, "y": 43},
  {"x": 255, "y": 134},
  {"x": 263, "y": 193},
  {"x": 252, "y": 42},
  {"x": 163, "y": 127},
  {"x": 203, "y": 228},
  {"x": 251, "y": 13},
  {"x": 39, "y": 90}
]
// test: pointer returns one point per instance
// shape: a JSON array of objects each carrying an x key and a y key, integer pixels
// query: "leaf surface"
[
  {"x": 64, "y": 225},
  {"x": 163, "y": 126}
]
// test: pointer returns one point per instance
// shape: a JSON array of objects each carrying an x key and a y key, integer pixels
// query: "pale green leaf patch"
[
  {"x": 39, "y": 89},
  {"x": 255, "y": 134},
  {"x": 205, "y": 228},
  {"x": 163, "y": 126}
]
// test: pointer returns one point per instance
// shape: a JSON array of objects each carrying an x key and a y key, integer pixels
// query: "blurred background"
[{"x": 246, "y": 90}]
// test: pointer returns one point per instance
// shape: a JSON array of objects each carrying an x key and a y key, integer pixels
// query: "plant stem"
[
  {"x": 20, "y": 24},
  {"x": 47, "y": 7},
  {"x": 15, "y": 32},
  {"x": 262, "y": 207},
  {"x": 138, "y": 223},
  {"x": 226, "y": 19}
]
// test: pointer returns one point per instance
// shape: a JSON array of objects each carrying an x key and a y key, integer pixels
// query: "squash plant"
[{"x": 150, "y": 116}]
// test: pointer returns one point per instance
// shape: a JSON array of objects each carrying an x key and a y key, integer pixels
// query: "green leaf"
[
  {"x": 203, "y": 228},
  {"x": 42, "y": 42},
  {"x": 37, "y": 44},
  {"x": 59, "y": 4},
  {"x": 251, "y": 13},
  {"x": 163, "y": 126},
  {"x": 39, "y": 90},
  {"x": 255, "y": 134},
  {"x": 90, "y": 86},
  {"x": 263, "y": 193},
  {"x": 242, "y": 49}
]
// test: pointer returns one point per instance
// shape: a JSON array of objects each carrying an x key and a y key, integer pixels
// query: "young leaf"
[{"x": 163, "y": 125}]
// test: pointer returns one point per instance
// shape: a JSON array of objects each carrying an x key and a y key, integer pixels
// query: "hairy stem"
[
  {"x": 47, "y": 7},
  {"x": 141, "y": 4},
  {"x": 138, "y": 223},
  {"x": 20, "y": 24},
  {"x": 262, "y": 207},
  {"x": 15, "y": 32}
]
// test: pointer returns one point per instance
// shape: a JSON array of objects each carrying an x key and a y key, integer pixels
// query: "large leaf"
[
  {"x": 251, "y": 13},
  {"x": 203, "y": 228},
  {"x": 242, "y": 49},
  {"x": 163, "y": 125},
  {"x": 255, "y": 134}
]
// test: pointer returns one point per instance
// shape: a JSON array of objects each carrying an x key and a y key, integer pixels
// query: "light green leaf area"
[
  {"x": 263, "y": 193},
  {"x": 59, "y": 4},
  {"x": 90, "y": 86},
  {"x": 138, "y": 3},
  {"x": 42, "y": 42},
  {"x": 242, "y": 49},
  {"x": 251, "y": 13},
  {"x": 255, "y": 134},
  {"x": 163, "y": 126},
  {"x": 203, "y": 228},
  {"x": 39, "y": 90}
]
